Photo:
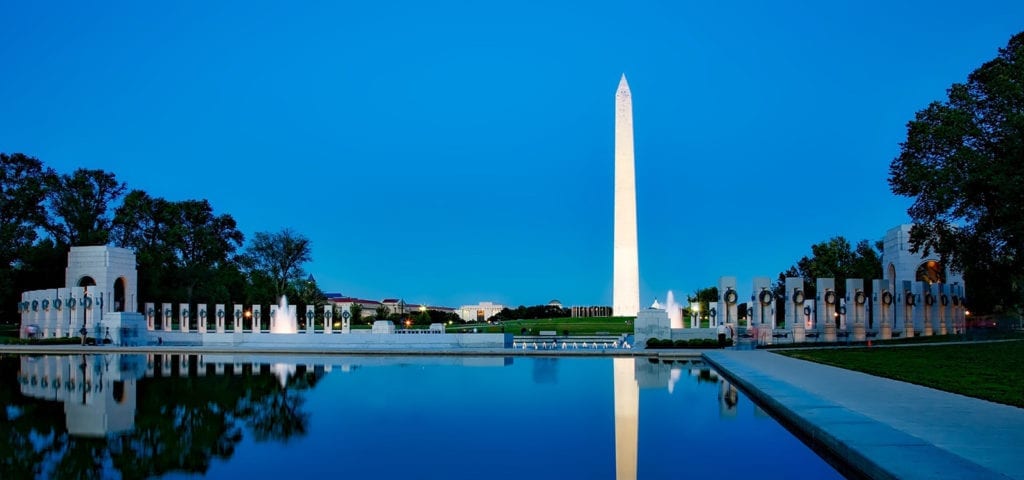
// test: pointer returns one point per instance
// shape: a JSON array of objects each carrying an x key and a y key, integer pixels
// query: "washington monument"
[{"x": 626, "y": 268}]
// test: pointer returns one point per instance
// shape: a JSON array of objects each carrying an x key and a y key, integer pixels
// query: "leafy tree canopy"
[
  {"x": 836, "y": 258},
  {"x": 961, "y": 163},
  {"x": 280, "y": 257},
  {"x": 79, "y": 205}
]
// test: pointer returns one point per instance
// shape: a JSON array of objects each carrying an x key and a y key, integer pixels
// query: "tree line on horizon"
[{"x": 185, "y": 251}]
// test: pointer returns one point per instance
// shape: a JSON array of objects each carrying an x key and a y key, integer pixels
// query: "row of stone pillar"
[
  {"x": 233, "y": 320},
  {"x": 910, "y": 308},
  {"x": 62, "y": 312}
]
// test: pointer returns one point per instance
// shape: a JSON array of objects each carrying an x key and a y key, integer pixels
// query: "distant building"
[
  {"x": 590, "y": 311},
  {"x": 344, "y": 304},
  {"x": 394, "y": 305},
  {"x": 479, "y": 312}
]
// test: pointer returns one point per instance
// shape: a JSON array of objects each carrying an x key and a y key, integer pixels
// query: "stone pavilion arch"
[
  {"x": 108, "y": 275},
  {"x": 931, "y": 271},
  {"x": 120, "y": 286},
  {"x": 98, "y": 299}
]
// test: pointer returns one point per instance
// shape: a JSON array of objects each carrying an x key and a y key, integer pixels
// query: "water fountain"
[
  {"x": 675, "y": 311},
  {"x": 284, "y": 319}
]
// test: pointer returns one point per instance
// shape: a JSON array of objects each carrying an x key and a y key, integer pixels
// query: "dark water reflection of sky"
[{"x": 374, "y": 417}]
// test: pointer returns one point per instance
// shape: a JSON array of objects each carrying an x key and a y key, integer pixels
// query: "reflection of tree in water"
[
  {"x": 24, "y": 424},
  {"x": 78, "y": 457},
  {"x": 276, "y": 415},
  {"x": 181, "y": 424}
]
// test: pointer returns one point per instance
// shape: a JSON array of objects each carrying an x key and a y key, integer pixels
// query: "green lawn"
[
  {"x": 991, "y": 370},
  {"x": 575, "y": 326}
]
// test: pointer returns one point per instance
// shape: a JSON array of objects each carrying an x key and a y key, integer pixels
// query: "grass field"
[
  {"x": 991, "y": 370},
  {"x": 575, "y": 326}
]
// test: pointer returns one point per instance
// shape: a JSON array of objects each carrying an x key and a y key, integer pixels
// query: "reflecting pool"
[{"x": 252, "y": 416}]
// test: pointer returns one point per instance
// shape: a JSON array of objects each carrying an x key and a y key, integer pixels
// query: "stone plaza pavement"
[{"x": 883, "y": 428}]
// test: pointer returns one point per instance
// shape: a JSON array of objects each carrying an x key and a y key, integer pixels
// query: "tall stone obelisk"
[{"x": 626, "y": 268}]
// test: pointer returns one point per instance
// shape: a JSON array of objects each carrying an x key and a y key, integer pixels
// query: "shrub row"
[{"x": 691, "y": 343}]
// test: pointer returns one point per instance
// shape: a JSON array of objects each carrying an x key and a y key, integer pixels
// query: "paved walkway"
[{"x": 885, "y": 428}]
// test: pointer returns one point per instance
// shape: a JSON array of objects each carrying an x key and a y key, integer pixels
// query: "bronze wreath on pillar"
[{"x": 830, "y": 297}]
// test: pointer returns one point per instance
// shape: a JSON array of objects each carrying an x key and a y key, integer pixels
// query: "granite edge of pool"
[{"x": 864, "y": 447}]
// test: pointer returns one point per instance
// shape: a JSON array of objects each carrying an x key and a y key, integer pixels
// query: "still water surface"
[{"x": 171, "y": 416}]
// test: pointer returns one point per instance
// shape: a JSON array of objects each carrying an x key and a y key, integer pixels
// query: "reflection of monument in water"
[
  {"x": 631, "y": 376},
  {"x": 98, "y": 391},
  {"x": 627, "y": 417}
]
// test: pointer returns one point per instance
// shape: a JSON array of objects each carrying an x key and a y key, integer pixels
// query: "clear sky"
[{"x": 455, "y": 151}]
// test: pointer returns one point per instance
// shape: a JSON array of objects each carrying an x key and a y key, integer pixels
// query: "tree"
[
  {"x": 78, "y": 205},
  {"x": 22, "y": 191},
  {"x": 835, "y": 258},
  {"x": 280, "y": 257},
  {"x": 961, "y": 162},
  {"x": 382, "y": 312},
  {"x": 705, "y": 296},
  {"x": 356, "y": 311},
  {"x": 202, "y": 243},
  {"x": 307, "y": 292},
  {"x": 182, "y": 248}
]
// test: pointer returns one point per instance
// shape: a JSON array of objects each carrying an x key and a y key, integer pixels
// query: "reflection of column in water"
[
  {"x": 728, "y": 397},
  {"x": 627, "y": 414},
  {"x": 98, "y": 391}
]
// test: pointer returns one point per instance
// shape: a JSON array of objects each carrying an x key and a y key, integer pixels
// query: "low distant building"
[
  {"x": 479, "y": 312},
  {"x": 590, "y": 311},
  {"x": 394, "y": 305},
  {"x": 344, "y": 304}
]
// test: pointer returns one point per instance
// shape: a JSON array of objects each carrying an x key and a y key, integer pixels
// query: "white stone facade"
[
  {"x": 481, "y": 311},
  {"x": 626, "y": 263}
]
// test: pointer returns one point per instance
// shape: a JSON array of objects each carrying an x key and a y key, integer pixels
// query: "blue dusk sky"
[{"x": 457, "y": 151}]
